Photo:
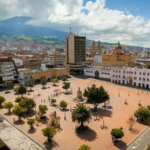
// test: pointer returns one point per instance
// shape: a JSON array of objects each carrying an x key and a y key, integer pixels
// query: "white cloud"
[{"x": 100, "y": 23}]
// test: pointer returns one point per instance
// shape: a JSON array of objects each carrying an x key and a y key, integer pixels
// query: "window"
[
  {"x": 148, "y": 74},
  {"x": 135, "y": 73},
  {"x": 143, "y": 79},
  {"x": 144, "y": 73},
  {"x": 147, "y": 79},
  {"x": 139, "y": 78},
  {"x": 134, "y": 78},
  {"x": 140, "y": 73}
]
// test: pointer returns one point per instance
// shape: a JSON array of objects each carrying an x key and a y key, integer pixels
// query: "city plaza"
[{"x": 115, "y": 115}]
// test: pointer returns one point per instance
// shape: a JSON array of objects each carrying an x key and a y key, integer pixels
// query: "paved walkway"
[{"x": 141, "y": 142}]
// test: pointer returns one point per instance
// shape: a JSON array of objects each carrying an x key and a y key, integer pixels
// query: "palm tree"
[{"x": 81, "y": 114}]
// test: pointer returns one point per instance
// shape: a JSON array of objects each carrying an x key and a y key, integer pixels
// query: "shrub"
[
  {"x": 8, "y": 106},
  {"x": 2, "y": 100},
  {"x": 84, "y": 147},
  {"x": 117, "y": 133},
  {"x": 63, "y": 104}
]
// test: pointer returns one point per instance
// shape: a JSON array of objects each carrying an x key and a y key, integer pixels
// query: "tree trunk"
[
  {"x": 49, "y": 139},
  {"x": 82, "y": 125},
  {"x": 9, "y": 110},
  {"x": 95, "y": 108}
]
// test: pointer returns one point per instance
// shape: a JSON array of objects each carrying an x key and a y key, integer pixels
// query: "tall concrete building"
[
  {"x": 75, "y": 53},
  {"x": 75, "y": 49}
]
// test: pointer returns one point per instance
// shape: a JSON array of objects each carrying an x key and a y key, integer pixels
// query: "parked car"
[{"x": 6, "y": 92}]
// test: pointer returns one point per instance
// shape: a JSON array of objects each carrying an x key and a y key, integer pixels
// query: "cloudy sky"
[{"x": 127, "y": 21}]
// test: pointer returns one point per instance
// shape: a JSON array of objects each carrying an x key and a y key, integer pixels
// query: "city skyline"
[{"x": 108, "y": 21}]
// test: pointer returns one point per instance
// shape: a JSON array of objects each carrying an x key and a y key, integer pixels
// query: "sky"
[{"x": 127, "y": 21}]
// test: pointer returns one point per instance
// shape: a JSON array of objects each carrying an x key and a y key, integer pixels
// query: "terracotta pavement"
[{"x": 114, "y": 116}]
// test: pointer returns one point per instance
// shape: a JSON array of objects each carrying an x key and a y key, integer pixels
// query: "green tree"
[
  {"x": 49, "y": 132},
  {"x": 18, "y": 99},
  {"x": 31, "y": 122},
  {"x": 22, "y": 90},
  {"x": 53, "y": 101},
  {"x": 81, "y": 114},
  {"x": 54, "y": 81},
  {"x": 43, "y": 82},
  {"x": 66, "y": 86},
  {"x": 28, "y": 104},
  {"x": 84, "y": 147},
  {"x": 30, "y": 85},
  {"x": 117, "y": 133},
  {"x": 42, "y": 110},
  {"x": 18, "y": 111},
  {"x": 148, "y": 107},
  {"x": 16, "y": 89},
  {"x": 64, "y": 79},
  {"x": 2, "y": 100},
  {"x": 8, "y": 106},
  {"x": 63, "y": 104},
  {"x": 96, "y": 96},
  {"x": 142, "y": 113}
]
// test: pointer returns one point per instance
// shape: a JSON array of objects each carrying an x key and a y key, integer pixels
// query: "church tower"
[
  {"x": 93, "y": 45},
  {"x": 99, "y": 45}
]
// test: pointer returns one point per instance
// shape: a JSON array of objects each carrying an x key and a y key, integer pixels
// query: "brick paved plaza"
[{"x": 114, "y": 116}]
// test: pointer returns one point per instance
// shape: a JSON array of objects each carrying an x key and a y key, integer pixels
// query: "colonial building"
[
  {"x": 138, "y": 77},
  {"x": 98, "y": 72},
  {"x": 28, "y": 75},
  {"x": 94, "y": 51},
  {"x": 116, "y": 56},
  {"x": 8, "y": 71},
  {"x": 131, "y": 76}
]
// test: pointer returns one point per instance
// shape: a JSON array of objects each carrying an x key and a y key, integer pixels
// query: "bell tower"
[
  {"x": 93, "y": 45},
  {"x": 99, "y": 45}
]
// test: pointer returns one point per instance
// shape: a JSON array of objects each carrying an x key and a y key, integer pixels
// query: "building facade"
[
  {"x": 27, "y": 75},
  {"x": 8, "y": 71},
  {"x": 97, "y": 58},
  {"x": 121, "y": 75},
  {"x": 75, "y": 49}
]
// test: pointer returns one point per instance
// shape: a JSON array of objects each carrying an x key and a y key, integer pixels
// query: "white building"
[
  {"x": 8, "y": 71},
  {"x": 127, "y": 76},
  {"x": 98, "y": 72},
  {"x": 98, "y": 58},
  {"x": 18, "y": 62},
  {"x": 131, "y": 76}
]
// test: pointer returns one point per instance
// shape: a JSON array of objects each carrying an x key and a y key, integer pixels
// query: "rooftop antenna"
[{"x": 70, "y": 31}]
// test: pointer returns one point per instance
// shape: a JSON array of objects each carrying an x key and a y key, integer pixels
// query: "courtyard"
[{"x": 115, "y": 115}]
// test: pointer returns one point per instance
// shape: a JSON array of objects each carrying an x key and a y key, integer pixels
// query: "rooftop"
[{"x": 16, "y": 139}]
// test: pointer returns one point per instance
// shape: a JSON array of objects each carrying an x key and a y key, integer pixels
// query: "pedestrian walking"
[{"x": 44, "y": 100}]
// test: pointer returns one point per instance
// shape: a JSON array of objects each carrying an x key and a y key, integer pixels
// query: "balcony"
[{"x": 8, "y": 78}]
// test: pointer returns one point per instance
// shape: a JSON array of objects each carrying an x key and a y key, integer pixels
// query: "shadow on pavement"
[
  {"x": 88, "y": 135},
  {"x": 50, "y": 145},
  {"x": 120, "y": 144}
]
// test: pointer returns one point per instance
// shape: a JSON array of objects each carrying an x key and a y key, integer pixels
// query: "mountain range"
[{"x": 16, "y": 29}]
